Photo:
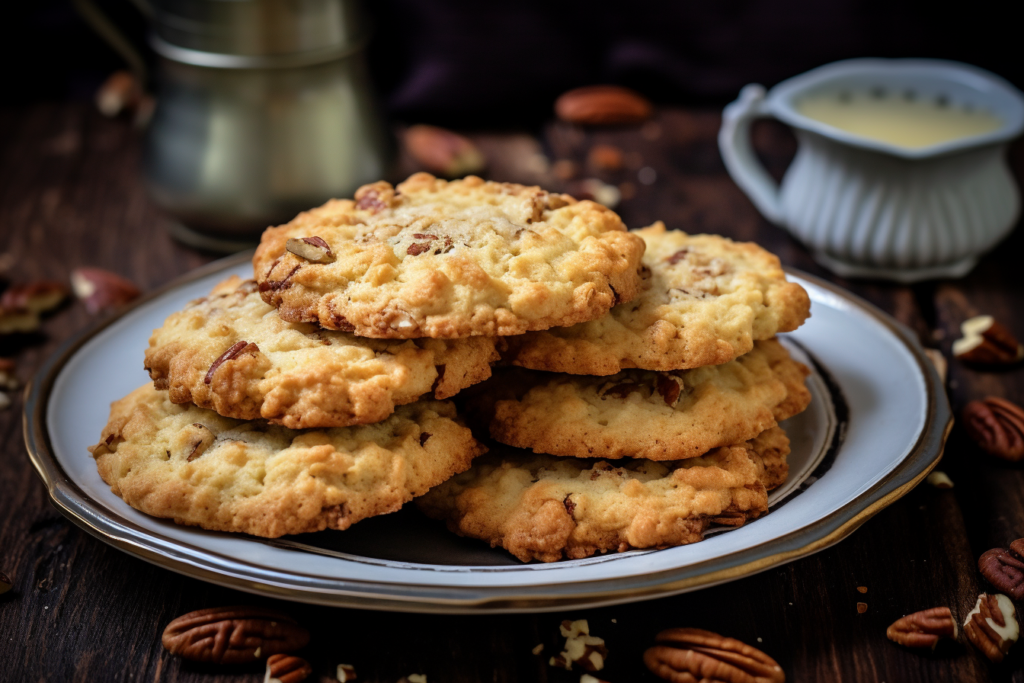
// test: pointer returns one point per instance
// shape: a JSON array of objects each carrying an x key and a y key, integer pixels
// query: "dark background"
[{"x": 481, "y": 64}]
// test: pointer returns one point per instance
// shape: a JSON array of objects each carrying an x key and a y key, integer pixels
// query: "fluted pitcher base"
[{"x": 905, "y": 276}]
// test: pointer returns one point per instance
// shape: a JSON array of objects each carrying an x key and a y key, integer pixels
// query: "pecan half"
[
  {"x": 602, "y": 105},
  {"x": 35, "y": 297},
  {"x": 286, "y": 669},
  {"x": 992, "y": 626},
  {"x": 311, "y": 248},
  {"x": 233, "y": 635},
  {"x": 692, "y": 654},
  {"x": 236, "y": 350},
  {"x": 988, "y": 342},
  {"x": 1017, "y": 547},
  {"x": 924, "y": 628},
  {"x": 443, "y": 152},
  {"x": 100, "y": 290},
  {"x": 997, "y": 425},
  {"x": 1004, "y": 571}
]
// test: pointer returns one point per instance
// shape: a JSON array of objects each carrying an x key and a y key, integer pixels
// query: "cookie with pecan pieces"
[
  {"x": 706, "y": 301},
  {"x": 432, "y": 258},
  {"x": 543, "y": 507},
  {"x": 200, "y": 469},
  {"x": 640, "y": 413},
  {"x": 232, "y": 353}
]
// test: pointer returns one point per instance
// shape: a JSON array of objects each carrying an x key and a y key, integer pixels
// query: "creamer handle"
[{"x": 738, "y": 154}]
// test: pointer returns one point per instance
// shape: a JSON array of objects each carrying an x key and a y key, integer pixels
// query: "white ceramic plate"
[{"x": 875, "y": 428}]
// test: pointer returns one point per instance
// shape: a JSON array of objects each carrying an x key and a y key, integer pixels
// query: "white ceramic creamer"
[{"x": 868, "y": 199}]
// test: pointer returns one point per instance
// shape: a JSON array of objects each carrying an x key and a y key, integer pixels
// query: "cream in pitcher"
[{"x": 904, "y": 119}]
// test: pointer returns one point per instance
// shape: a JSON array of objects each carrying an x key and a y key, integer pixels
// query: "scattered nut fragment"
[
  {"x": 21, "y": 305},
  {"x": 938, "y": 361},
  {"x": 1004, "y": 571},
  {"x": 602, "y": 105},
  {"x": 605, "y": 158},
  {"x": 346, "y": 673},
  {"x": 940, "y": 480},
  {"x": 120, "y": 92},
  {"x": 100, "y": 290},
  {"x": 600, "y": 192},
  {"x": 565, "y": 169},
  {"x": 233, "y": 635},
  {"x": 862, "y": 589},
  {"x": 283, "y": 668},
  {"x": 862, "y": 607},
  {"x": 988, "y": 342},
  {"x": 538, "y": 649},
  {"x": 311, "y": 248},
  {"x": 997, "y": 425},
  {"x": 416, "y": 678},
  {"x": 5, "y": 583},
  {"x": 580, "y": 647},
  {"x": 992, "y": 626},
  {"x": 587, "y": 678},
  {"x": 924, "y": 628},
  {"x": 8, "y": 380},
  {"x": 443, "y": 152},
  {"x": 692, "y": 654}
]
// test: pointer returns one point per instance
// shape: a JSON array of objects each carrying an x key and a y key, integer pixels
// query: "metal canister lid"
[{"x": 247, "y": 34}]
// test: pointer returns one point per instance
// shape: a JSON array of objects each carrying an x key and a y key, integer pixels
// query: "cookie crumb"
[{"x": 940, "y": 480}]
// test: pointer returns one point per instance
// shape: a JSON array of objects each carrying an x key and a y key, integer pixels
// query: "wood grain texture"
[{"x": 71, "y": 194}]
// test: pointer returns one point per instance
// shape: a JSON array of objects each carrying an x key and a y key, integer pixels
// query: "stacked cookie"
[
  {"x": 641, "y": 428},
  {"x": 314, "y": 396}
]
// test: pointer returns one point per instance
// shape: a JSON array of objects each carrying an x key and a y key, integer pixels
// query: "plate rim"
[{"x": 825, "y": 531}]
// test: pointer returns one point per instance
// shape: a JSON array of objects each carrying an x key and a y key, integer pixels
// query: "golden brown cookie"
[
  {"x": 432, "y": 258},
  {"x": 641, "y": 413},
  {"x": 232, "y": 353},
  {"x": 200, "y": 469},
  {"x": 544, "y": 507},
  {"x": 707, "y": 299}
]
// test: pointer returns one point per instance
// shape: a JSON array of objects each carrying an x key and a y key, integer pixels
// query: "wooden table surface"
[{"x": 71, "y": 195}]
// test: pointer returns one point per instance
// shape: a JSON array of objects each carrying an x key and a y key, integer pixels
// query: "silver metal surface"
[{"x": 264, "y": 109}]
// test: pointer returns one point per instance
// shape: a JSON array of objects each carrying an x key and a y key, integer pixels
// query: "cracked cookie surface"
[
  {"x": 433, "y": 258},
  {"x": 543, "y": 507},
  {"x": 296, "y": 374},
  {"x": 706, "y": 300},
  {"x": 641, "y": 413},
  {"x": 200, "y": 469}
]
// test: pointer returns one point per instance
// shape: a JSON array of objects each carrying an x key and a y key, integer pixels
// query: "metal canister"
[{"x": 264, "y": 109}]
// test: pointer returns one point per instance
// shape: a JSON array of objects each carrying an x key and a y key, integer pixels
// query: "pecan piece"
[
  {"x": 924, "y": 628},
  {"x": 346, "y": 673},
  {"x": 237, "y": 349},
  {"x": 233, "y": 635},
  {"x": 1017, "y": 547},
  {"x": 602, "y": 105},
  {"x": 100, "y": 290},
  {"x": 997, "y": 425},
  {"x": 692, "y": 654},
  {"x": 669, "y": 386},
  {"x": 36, "y": 297},
  {"x": 678, "y": 256},
  {"x": 202, "y": 439},
  {"x": 992, "y": 626},
  {"x": 443, "y": 152},
  {"x": 581, "y": 648},
  {"x": 283, "y": 668},
  {"x": 1004, "y": 571},
  {"x": 311, "y": 248},
  {"x": 986, "y": 341}
]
